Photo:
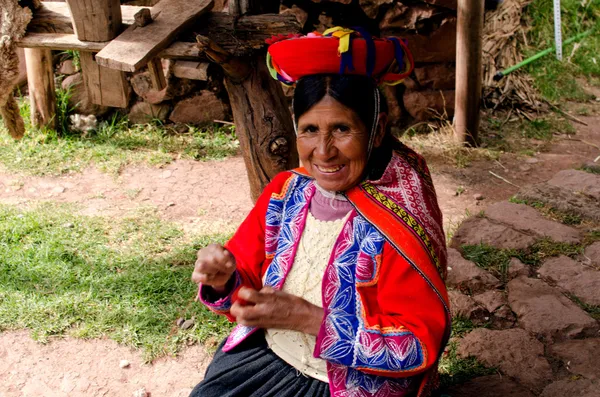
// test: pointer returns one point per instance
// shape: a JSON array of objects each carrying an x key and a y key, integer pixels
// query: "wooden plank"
[
  {"x": 468, "y": 70},
  {"x": 55, "y": 17},
  {"x": 157, "y": 76},
  {"x": 97, "y": 20},
  {"x": 106, "y": 87},
  {"x": 133, "y": 48},
  {"x": 59, "y": 41},
  {"x": 191, "y": 70},
  {"x": 40, "y": 79}
]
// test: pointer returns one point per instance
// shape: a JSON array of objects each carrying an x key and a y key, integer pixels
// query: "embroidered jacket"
[{"x": 386, "y": 319}]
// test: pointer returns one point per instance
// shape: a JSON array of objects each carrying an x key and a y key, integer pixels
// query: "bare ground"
[{"x": 211, "y": 197}]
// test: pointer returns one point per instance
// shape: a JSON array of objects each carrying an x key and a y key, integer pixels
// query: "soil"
[{"x": 213, "y": 197}]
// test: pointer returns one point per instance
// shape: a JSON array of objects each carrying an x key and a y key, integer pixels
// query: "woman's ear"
[{"x": 381, "y": 128}]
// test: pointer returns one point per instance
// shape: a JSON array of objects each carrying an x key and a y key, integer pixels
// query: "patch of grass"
[
  {"x": 456, "y": 370},
  {"x": 461, "y": 326},
  {"x": 592, "y": 310},
  {"x": 112, "y": 146},
  {"x": 126, "y": 279},
  {"x": 554, "y": 79},
  {"x": 595, "y": 169},
  {"x": 565, "y": 217}
]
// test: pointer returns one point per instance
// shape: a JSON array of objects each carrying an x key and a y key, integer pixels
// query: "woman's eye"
[
  {"x": 311, "y": 129},
  {"x": 342, "y": 128}
]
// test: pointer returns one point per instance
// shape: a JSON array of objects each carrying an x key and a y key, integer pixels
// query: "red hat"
[{"x": 339, "y": 50}]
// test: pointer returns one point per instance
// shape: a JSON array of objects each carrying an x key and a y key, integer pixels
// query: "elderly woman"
[{"x": 335, "y": 278}]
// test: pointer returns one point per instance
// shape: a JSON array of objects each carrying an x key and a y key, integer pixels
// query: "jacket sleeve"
[
  {"x": 248, "y": 248},
  {"x": 397, "y": 328}
]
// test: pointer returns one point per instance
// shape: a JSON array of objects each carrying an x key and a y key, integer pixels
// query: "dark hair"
[{"x": 355, "y": 92}]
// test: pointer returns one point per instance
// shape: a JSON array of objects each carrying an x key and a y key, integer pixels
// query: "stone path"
[{"x": 534, "y": 321}]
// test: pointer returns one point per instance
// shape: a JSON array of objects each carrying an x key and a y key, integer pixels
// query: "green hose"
[{"x": 511, "y": 69}]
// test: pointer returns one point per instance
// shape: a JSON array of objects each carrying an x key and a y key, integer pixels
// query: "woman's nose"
[{"x": 325, "y": 148}]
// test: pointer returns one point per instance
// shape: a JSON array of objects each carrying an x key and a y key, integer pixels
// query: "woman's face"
[{"x": 332, "y": 144}]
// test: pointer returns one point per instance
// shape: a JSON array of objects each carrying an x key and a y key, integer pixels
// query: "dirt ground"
[{"x": 212, "y": 197}]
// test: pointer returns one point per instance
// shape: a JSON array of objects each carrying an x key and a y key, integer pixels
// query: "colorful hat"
[{"x": 339, "y": 51}]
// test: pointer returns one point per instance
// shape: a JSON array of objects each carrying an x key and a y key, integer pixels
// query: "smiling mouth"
[{"x": 330, "y": 170}]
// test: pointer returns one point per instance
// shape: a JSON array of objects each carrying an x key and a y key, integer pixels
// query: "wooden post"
[
  {"x": 97, "y": 20},
  {"x": 40, "y": 79},
  {"x": 468, "y": 70}
]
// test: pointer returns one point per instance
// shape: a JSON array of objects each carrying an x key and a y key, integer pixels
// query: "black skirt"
[{"x": 253, "y": 370}]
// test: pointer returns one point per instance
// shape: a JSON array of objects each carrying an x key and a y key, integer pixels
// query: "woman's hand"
[
  {"x": 214, "y": 266},
  {"x": 268, "y": 308}
]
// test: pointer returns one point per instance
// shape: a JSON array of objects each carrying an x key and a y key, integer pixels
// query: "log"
[
  {"x": 40, "y": 79},
  {"x": 468, "y": 70},
  {"x": 263, "y": 126},
  {"x": 106, "y": 87},
  {"x": 191, "y": 70},
  {"x": 98, "y": 20},
  {"x": 133, "y": 48}
]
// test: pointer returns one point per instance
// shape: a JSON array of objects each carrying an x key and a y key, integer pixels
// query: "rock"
[
  {"x": 68, "y": 225},
  {"x": 452, "y": 4},
  {"x": 201, "y": 109},
  {"x": 371, "y": 7},
  {"x": 79, "y": 99},
  {"x": 579, "y": 356},
  {"x": 491, "y": 300},
  {"x": 580, "y": 182},
  {"x": 423, "y": 105},
  {"x": 401, "y": 16},
  {"x": 525, "y": 219},
  {"x": 562, "y": 199},
  {"x": 67, "y": 67},
  {"x": 124, "y": 364},
  {"x": 489, "y": 386},
  {"x": 180, "y": 321},
  {"x": 478, "y": 196},
  {"x": 438, "y": 76},
  {"x": 545, "y": 311},
  {"x": 395, "y": 112},
  {"x": 464, "y": 306},
  {"x": 576, "y": 278},
  {"x": 517, "y": 268},
  {"x": 513, "y": 351},
  {"x": 187, "y": 324},
  {"x": 592, "y": 253},
  {"x": 299, "y": 13},
  {"x": 58, "y": 189},
  {"x": 143, "y": 112},
  {"x": 479, "y": 230},
  {"x": 572, "y": 388},
  {"x": 439, "y": 46},
  {"x": 141, "y": 393},
  {"x": 142, "y": 86},
  {"x": 503, "y": 318},
  {"x": 591, "y": 167},
  {"x": 467, "y": 276}
]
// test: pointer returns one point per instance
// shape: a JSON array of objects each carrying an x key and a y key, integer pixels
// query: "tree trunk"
[
  {"x": 263, "y": 125},
  {"x": 40, "y": 78}
]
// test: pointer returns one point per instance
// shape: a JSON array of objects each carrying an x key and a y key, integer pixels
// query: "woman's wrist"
[{"x": 312, "y": 320}]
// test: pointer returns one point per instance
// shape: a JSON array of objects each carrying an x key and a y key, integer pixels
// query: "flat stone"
[
  {"x": 201, "y": 109},
  {"x": 401, "y": 16},
  {"x": 572, "y": 388},
  {"x": 525, "y": 219},
  {"x": 491, "y": 300},
  {"x": 300, "y": 15},
  {"x": 423, "y": 105},
  {"x": 513, "y": 351},
  {"x": 489, "y": 386},
  {"x": 439, "y": 46},
  {"x": 438, "y": 76},
  {"x": 67, "y": 67},
  {"x": 580, "y": 356},
  {"x": 370, "y": 7},
  {"x": 479, "y": 230},
  {"x": 545, "y": 311},
  {"x": 503, "y": 318},
  {"x": 517, "y": 268},
  {"x": 562, "y": 199},
  {"x": 576, "y": 278},
  {"x": 467, "y": 276},
  {"x": 463, "y": 306},
  {"x": 592, "y": 253},
  {"x": 578, "y": 181}
]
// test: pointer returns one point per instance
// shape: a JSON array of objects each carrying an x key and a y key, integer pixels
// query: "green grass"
[
  {"x": 554, "y": 79},
  {"x": 592, "y": 310},
  {"x": 592, "y": 169},
  {"x": 112, "y": 146},
  {"x": 456, "y": 370},
  {"x": 126, "y": 279}
]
